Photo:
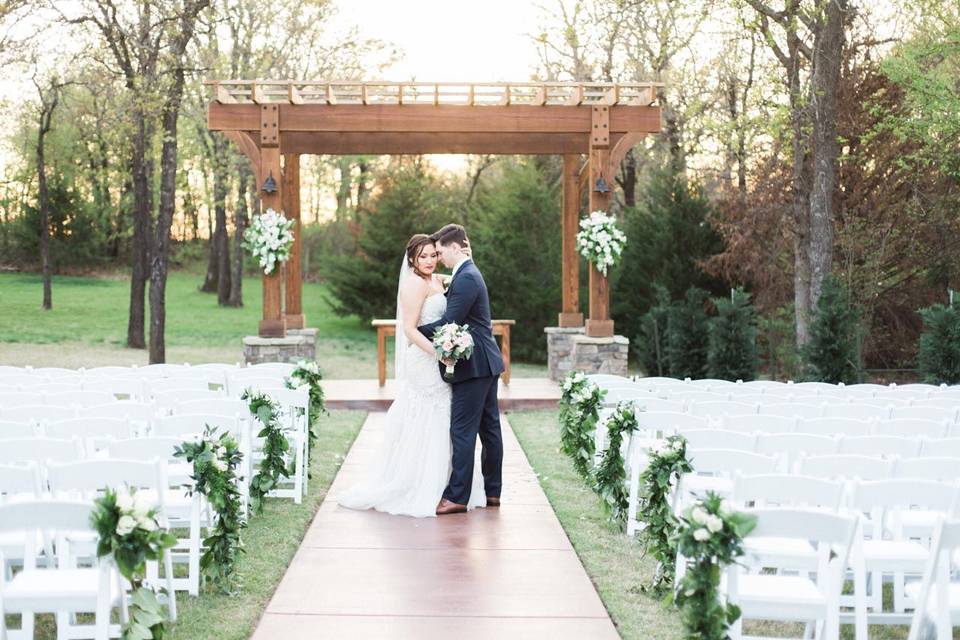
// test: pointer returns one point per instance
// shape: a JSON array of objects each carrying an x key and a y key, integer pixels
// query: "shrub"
[
  {"x": 687, "y": 335},
  {"x": 938, "y": 356},
  {"x": 733, "y": 339},
  {"x": 832, "y": 353}
]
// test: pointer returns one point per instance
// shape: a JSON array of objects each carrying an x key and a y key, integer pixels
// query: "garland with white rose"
[
  {"x": 269, "y": 238},
  {"x": 127, "y": 527},
  {"x": 580, "y": 402},
  {"x": 600, "y": 241},
  {"x": 610, "y": 476},
  {"x": 215, "y": 460},
  {"x": 666, "y": 462},
  {"x": 711, "y": 538},
  {"x": 307, "y": 372}
]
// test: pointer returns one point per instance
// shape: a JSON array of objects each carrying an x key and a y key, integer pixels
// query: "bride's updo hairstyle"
[{"x": 414, "y": 249}]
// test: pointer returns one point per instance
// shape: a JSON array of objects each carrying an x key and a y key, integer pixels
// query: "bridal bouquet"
[
  {"x": 600, "y": 240},
  {"x": 269, "y": 239},
  {"x": 453, "y": 342}
]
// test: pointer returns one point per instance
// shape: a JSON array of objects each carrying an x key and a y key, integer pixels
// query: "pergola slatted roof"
[{"x": 274, "y": 119}]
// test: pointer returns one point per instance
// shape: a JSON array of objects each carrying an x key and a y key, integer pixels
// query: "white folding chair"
[
  {"x": 917, "y": 389},
  {"x": 753, "y": 398},
  {"x": 926, "y": 412},
  {"x": 38, "y": 414},
  {"x": 660, "y": 423},
  {"x": 272, "y": 368},
  {"x": 168, "y": 386},
  {"x": 814, "y": 601},
  {"x": 847, "y": 427},
  {"x": 713, "y": 470},
  {"x": 11, "y": 399},
  {"x": 789, "y": 446},
  {"x": 120, "y": 388},
  {"x": 720, "y": 439},
  {"x": 295, "y": 407},
  {"x": 20, "y": 450},
  {"x": 87, "y": 479},
  {"x": 691, "y": 397},
  {"x": 759, "y": 424},
  {"x": 885, "y": 446},
  {"x": 929, "y": 468},
  {"x": 604, "y": 379},
  {"x": 109, "y": 371},
  {"x": 650, "y": 404},
  {"x": 264, "y": 384},
  {"x": 931, "y": 448},
  {"x": 94, "y": 432},
  {"x": 66, "y": 588},
  {"x": 139, "y": 414},
  {"x": 892, "y": 549},
  {"x": 53, "y": 390},
  {"x": 865, "y": 412},
  {"x": 220, "y": 405},
  {"x": 716, "y": 410},
  {"x": 910, "y": 428},
  {"x": 52, "y": 373},
  {"x": 80, "y": 398},
  {"x": 936, "y": 596},
  {"x": 845, "y": 466},
  {"x": 17, "y": 429},
  {"x": 765, "y": 386},
  {"x": 164, "y": 370},
  {"x": 18, "y": 482},
  {"x": 793, "y": 409},
  {"x": 821, "y": 388}
]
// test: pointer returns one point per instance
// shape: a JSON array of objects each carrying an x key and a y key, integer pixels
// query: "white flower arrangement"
[
  {"x": 453, "y": 342},
  {"x": 269, "y": 239},
  {"x": 600, "y": 241}
]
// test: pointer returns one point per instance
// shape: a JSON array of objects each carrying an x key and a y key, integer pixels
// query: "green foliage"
[
  {"x": 514, "y": 228},
  {"x": 711, "y": 538},
  {"x": 733, "y": 339},
  {"x": 215, "y": 460},
  {"x": 128, "y": 531},
  {"x": 687, "y": 329},
  {"x": 273, "y": 466},
  {"x": 410, "y": 200},
  {"x": 651, "y": 340},
  {"x": 938, "y": 355},
  {"x": 308, "y": 373},
  {"x": 832, "y": 353},
  {"x": 668, "y": 234},
  {"x": 666, "y": 463},
  {"x": 610, "y": 476},
  {"x": 777, "y": 343},
  {"x": 580, "y": 402}
]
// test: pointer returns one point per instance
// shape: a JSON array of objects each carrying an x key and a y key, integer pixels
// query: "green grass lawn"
[
  {"x": 615, "y": 563},
  {"x": 88, "y": 325},
  {"x": 270, "y": 541}
]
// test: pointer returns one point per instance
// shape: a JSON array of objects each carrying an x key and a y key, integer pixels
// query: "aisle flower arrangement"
[
  {"x": 128, "y": 530},
  {"x": 273, "y": 466},
  {"x": 601, "y": 241},
  {"x": 307, "y": 372},
  {"x": 580, "y": 403},
  {"x": 610, "y": 476},
  {"x": 270, "y": 239}
]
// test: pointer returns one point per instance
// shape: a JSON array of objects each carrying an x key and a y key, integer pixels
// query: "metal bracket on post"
[
  {"x": 269, "y": 125},
  {"x": 600, "y": 131}
]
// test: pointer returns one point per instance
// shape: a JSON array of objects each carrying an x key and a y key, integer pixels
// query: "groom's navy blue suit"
[{"x": 474, "y": 409}]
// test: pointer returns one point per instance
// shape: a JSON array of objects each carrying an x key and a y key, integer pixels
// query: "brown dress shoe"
[
  {"x": 445, "y": 507},
  {"x": 493, "y": 502}
]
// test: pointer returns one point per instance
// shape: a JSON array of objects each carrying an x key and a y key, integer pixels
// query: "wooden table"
[{"x": 389, "y": 328}]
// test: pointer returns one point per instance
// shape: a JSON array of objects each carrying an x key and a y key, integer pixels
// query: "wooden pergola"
[{"x": 273, "y": 122}]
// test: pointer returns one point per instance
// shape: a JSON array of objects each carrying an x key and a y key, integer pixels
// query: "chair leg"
[
  {"x": 171, "y": 592},
  {"x": 899, "y": 597},
  {"x": 193, "y": 559}
]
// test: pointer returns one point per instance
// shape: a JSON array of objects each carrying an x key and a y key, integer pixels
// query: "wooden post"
[
  {"x": 293, "y": 313},
  {"x": 272, "y": 325},
  {"x": 599, "y": 325},
  {"x": 570, "y": 315}
]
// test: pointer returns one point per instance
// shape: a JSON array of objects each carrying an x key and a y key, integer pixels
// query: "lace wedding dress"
[{"x": 412, "y": 467}]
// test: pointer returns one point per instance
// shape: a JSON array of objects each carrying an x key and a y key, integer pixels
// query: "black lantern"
[
  {"x": 601, "y": 186},
  {"x": 269, "y": 185}
]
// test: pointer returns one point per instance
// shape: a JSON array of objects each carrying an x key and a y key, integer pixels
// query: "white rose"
[
  {"x": 677, "y": 445},
  {"x": 701, "y": 535},
  {"x": 147, "y": 523},
  {"x": 219, "y": 464},
  {"x": 124, "y": 501},
  {"x": 714, "y": 524},
  {"x": 142, "y": 503},
  {"x": 125, "y": 525},
  {"x": 699, "y": 516}
]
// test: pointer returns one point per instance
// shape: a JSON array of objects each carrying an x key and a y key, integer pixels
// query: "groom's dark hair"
[{"x": 449, "y": 234}]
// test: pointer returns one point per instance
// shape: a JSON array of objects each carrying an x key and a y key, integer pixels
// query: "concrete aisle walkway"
[{"x": 492, "y": 573}]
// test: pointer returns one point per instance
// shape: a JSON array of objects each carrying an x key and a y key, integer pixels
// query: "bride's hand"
[{"x": 466, "y": 250}]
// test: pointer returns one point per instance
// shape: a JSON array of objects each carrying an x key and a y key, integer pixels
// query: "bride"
[{"x": 413, "y": 464}]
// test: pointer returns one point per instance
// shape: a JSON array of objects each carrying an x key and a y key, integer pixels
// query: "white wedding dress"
[{"x": 412, "y": 467}]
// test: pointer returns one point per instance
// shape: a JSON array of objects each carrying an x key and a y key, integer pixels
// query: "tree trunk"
[
  {"x": 211, "y": 280},
  {"x": 629, "y": 181},
  {"x": 363, "y": 188},
  {"x": 45, "y": 117},
  {"x": 343, "y": 192},
  {"x": 240, "y": 225},
  {"x": 222, "y": 240},
  {"x": 827, "y": 51},
  {"x": 142, "y": 210}
]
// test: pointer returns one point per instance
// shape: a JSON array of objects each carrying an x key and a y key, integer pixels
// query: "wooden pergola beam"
[{"x": 388, "y": 143}]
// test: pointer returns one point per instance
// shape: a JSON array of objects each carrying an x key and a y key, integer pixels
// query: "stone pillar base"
[
  {"x": 299, "y": 344},
  {"x": 570, "y": 349}
]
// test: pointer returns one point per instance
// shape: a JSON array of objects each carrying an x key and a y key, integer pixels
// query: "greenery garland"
[
  {"x": 666, "y": 463},
  {"x": 308, "y": 373},
  {"x": 711, "y": 538},
  {"x": 215, "y": 460},
  {"x": 275, "y": 444},
  {"x": 127, "y": 526},
  {"x": 610, "y": 476},
  {"x": 580, "y": 403}
]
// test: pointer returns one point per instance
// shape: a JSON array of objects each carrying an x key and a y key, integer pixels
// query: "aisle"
[{"x": 492, "y": 573}]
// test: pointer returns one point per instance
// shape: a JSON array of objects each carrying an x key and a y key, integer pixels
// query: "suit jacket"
[{"x": 468, "y": 303}]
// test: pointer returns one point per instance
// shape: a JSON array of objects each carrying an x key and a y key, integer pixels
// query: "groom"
[{"x": 474, "y": 408}]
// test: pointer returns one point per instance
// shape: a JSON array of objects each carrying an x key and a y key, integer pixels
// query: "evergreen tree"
[
  {"x": 687, "y": 335},
  {"x": 667, "y": 237},
  {"x": 514, "y": 228},
  {"x": 938, "y": 356},
  {"x": 733, "y": 339},
  {"x": 651, "y": 340},
  {"x": 833, "y": 351},
  {"x": 410, "y": 201}
]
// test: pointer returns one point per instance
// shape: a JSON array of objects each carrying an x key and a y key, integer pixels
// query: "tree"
[
  {"x": 687, "y": 329},
  {"x": 733, "y": 339},
  {"x": 938, "y": 355},
  {"x": 651, "y": 340},
  {"x": 833, "y": 352}
]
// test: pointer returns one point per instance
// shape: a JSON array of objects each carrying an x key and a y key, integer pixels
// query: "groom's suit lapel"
[{"x": 466, "y": 263}]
